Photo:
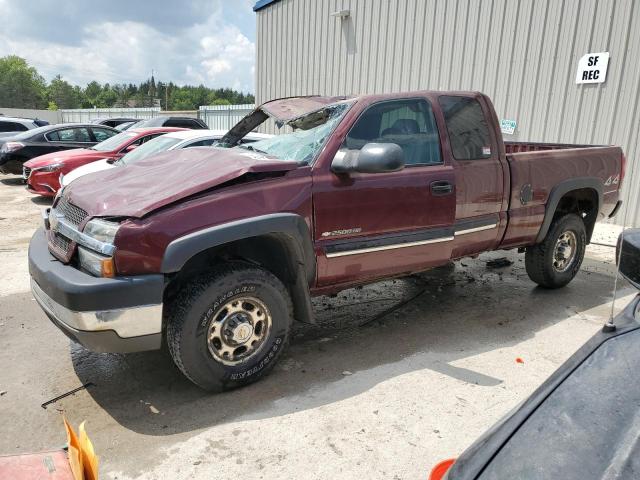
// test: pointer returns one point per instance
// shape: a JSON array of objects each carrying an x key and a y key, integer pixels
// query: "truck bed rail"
[{"x": 516, "y": 147}]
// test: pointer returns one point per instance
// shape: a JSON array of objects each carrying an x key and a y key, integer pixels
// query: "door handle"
[{"x": 441, "y": 187}]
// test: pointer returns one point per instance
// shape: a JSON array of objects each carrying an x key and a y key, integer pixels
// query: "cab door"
[
  {"x": 373, "y": 225},
  {"x": 481, "y": 173}
]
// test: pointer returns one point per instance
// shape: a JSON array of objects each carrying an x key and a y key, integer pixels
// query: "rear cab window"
[
  {"x": 467, "y": 127},
  {"x": 409, "y": 123}
]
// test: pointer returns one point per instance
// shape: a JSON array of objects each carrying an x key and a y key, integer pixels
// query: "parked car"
[
  {"x": 126, "y": 125},
  {"x": 580, "y": 423},
  {"x": 114, "y": 122},
  {"x": 17, "y": 149},
  {"x": 12, "y": 125},
  {"x": 42, "y": 173},
  {"x": 218, "y": 250},
  {"x": 170, "y": 141},
  {"x": 182, "y": 122}
]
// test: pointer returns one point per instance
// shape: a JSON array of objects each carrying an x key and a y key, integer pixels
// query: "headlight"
[
  {"x": 96, "y": 264},
  {"x": 102, "y": 230},
  {"x": 91, "y": 261},
  {"x": 49, "y": 168},
  {"x": 11, "y": 147}
]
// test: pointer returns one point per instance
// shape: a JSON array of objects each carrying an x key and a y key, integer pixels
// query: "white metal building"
[{"x": 524, "y": 54}]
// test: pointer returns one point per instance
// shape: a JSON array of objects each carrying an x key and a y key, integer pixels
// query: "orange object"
[
  {"x": 441, "y": 468},
  {"x": 82, "y": 458},
  {"x": 108, "y": 268},
  {"x": 519, "y": 360}
]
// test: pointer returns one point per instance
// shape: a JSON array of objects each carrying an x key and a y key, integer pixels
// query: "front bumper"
[
  {"x": 46, "y": 184},
  {"x": 122, "y": 314}
]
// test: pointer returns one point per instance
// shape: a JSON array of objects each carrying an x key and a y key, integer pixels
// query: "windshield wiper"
[{"x": 253, "y": 149}]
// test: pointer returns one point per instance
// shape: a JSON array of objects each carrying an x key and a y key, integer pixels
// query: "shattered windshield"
[{"x": 309, "y": 135}]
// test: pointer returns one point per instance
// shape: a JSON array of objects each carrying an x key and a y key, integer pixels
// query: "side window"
[
  {"x": 407, "y": 123},
  {"x": 12, "y": 127},
  {"x": 102, "y": 134},
  {"x": 201, "y": 143},
  {"x": 147, "y": 138},
  {"x": 177, "y": 124},
  {"x": 183, "y": 123},
  {"x": 70, "y": 135},
  {"x": 467, "y": 128}
]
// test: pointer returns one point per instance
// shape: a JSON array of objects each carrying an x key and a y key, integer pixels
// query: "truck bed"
[{"x": 536, "y": 169}]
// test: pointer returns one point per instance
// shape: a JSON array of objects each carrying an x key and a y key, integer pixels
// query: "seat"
[{"x": 402, "y": 126}]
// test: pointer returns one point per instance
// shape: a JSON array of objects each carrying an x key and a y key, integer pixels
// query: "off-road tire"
[
  {"x": 539, "y": 258},
  {"x": 190, "y": 315}
]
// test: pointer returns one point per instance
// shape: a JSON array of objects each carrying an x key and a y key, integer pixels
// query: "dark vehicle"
[
  {"x": 126, "y": 125},
  {"x": 12, "y": 125},
  {"x": 217, "y": 250},
  {"x": 17, "y": 149},
  {"x": 180, "y": 122},
  {"x": 581, "y": 423},
  {"x": 114, "y": 122}
]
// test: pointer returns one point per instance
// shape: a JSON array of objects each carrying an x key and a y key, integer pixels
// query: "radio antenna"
[{"x": 610, "y": 325}]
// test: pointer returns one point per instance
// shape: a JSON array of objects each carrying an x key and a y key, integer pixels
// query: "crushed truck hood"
[
  {"x": 282, "y": 110},
  {"x": 138, "y": 189}
]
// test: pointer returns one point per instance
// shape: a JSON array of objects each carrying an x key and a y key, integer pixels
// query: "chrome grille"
[
  {"x": 74, "y": 215},
  {"x": 60, "y": 243}
]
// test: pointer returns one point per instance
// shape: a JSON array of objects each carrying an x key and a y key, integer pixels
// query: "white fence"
[
  {"x": 223, "y": 117},
  {"x": 84, "y": 115},
  {"x": 217, "y": 117},
  {"x": 51, "y": 116}
]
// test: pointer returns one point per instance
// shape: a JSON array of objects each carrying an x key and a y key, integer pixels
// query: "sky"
[{"x": 210, "y": 42}]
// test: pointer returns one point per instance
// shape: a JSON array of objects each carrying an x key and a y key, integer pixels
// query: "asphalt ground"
[{"x": 397, "y": 375}]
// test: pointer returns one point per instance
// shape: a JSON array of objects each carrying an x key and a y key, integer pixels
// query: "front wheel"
[
  {"x": 554, "y": 262},
  {"x": 229, "y": 328}
]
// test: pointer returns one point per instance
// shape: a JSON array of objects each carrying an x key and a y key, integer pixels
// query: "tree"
[
  {"x": 63, "y": 93},
  {"x": 20, "y": 85},
  {"x": 91, "y": 95}
]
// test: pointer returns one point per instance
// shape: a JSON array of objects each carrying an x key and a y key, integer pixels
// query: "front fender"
[{"x": 293, "y": 226}]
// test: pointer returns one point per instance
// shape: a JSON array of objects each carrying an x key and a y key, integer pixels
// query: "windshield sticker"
[
  {"x": 486, "y": 151},
  {"x": 508, "y": 127}
]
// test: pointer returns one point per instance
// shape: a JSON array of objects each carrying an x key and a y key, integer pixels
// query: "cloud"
[{"x": 124, "y": 43}]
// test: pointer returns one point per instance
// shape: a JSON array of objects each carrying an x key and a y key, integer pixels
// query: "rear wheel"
[
  {"x": 556, "y": 261},
  {"x": 228, "y": 328}
]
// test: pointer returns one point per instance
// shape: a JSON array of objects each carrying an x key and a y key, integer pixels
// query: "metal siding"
[{"x": 522, "y": 53}]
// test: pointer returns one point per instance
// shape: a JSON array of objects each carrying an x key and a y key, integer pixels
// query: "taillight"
[
  {"x": 623, "y": 169},
  {"x": 12, "y": 146},
  {"x": 440, "y": 470}
]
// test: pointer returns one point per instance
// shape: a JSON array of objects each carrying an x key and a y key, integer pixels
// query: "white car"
[{"x": 163, "y": 143}]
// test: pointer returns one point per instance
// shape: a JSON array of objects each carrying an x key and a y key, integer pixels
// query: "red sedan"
[{"x": 43, "y": 173}]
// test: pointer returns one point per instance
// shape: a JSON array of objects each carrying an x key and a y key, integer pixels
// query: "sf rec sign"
[{"x": 592, "y": 68}]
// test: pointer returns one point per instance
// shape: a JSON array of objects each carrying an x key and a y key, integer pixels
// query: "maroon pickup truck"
[{"x": 215, "y": 251}]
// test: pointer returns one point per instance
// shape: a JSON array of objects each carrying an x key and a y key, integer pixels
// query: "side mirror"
[
  {"x": 628, "y": 251},
  {"x": 372, "y": 158}
]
